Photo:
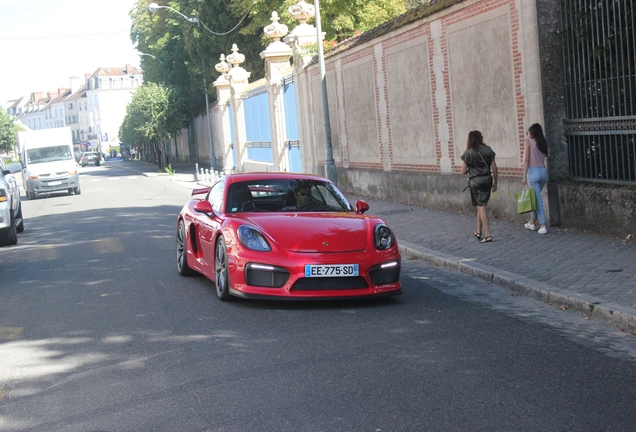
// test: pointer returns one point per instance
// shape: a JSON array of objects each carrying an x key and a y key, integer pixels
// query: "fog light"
[
  {"x": 385, "y": 273},
  {"x": 266, "y": 276}
]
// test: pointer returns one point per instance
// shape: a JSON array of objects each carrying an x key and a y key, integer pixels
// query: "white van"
[{"x": 47, "y": 161}]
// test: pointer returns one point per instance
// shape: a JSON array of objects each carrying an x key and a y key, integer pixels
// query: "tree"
[
  {"x": 149, "y": 116},
  {"x": 179, "y": 50},
  {"x": 340, "y": 19},
  {"x": 167, "y": 62},
  {"x": 8, "y": 132}
]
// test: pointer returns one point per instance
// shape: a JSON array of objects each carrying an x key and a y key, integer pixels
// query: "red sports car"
[{"x": 286, "y": 236}]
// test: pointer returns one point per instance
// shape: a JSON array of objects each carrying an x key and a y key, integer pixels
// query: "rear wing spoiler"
[{"x": 200, "y": 191}]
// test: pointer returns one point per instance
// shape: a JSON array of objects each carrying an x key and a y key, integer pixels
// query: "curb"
[
  {"x": 176, "y": 176},
  {"x": 612, "y": 313}
]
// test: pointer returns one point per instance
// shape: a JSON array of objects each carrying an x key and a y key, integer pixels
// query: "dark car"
[{"x": 90, "y": 158}]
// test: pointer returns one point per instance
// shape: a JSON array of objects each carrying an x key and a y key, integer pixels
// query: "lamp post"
[
  {"x": 330, "y": 166},
  {"x": 154, "y": 7},
  {"x": 149, "y": 55}
]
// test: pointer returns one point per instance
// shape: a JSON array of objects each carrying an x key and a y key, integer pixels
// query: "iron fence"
[{"x": 599, "y": 40}]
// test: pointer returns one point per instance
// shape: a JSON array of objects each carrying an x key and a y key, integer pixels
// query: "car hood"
[{"x": 313, "y": 232}]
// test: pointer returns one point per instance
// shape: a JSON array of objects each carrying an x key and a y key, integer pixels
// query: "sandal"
[
  {"x": 478, "y": 235},
  {"x": 486, "y": 239}
]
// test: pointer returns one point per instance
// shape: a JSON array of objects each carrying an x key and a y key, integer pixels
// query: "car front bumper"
[
  {"x": 252, "y": 276},
  {"x": 53, "y": 184}
]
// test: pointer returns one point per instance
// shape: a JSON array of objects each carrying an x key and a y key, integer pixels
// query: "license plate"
[
  {"x": 55, "y": 183},
  {"x": 331, "y": 270}
]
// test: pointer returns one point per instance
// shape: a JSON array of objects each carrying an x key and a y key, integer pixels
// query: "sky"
[{"x": 45, "y": 42}]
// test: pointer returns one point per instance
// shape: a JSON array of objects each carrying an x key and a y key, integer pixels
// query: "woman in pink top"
[{"x": 534, "y": 172}]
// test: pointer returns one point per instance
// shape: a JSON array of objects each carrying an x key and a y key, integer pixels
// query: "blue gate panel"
[
  {"x": 261, "y": 154},
  {"x": 295, "y": 164},
  {"x": 291, "y": 110},
  {"x": 257, "y": 126}
]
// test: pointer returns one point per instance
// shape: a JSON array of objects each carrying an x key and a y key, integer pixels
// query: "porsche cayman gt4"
[{"x": 285, "y": 236}]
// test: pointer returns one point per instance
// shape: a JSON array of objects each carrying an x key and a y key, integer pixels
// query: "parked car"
[
  {"x": 285, "y": 236},
  {"x": 90, "y": 158},
  {"x": 11, "y": 222}
]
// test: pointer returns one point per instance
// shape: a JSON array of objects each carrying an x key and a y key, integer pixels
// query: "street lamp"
[
  {"x": 149, "y": 55},
  {"x": 154, "y": 7},
  {"x": 330, "y": 166}
]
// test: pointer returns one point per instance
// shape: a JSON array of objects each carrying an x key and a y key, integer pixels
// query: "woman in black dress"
[{"x": 479, "y": 163}]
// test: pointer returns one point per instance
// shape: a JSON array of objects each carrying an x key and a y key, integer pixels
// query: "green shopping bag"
[{"x": 526, "y": 201}]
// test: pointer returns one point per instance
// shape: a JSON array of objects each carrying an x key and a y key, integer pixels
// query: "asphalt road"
[{"x": 98, "y": 332}]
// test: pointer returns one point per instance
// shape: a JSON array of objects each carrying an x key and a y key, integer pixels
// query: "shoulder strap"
[{"x": 483, "y": 160}]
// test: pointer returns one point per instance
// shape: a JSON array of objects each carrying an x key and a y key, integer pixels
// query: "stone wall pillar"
[
  {"x": 553, "y": 99},
  {"x": 223, "y": 98},
  {"x": 303, "y": 40},
  {"x": 276, "y": 56},
  {"x": 238, "y": 79}
]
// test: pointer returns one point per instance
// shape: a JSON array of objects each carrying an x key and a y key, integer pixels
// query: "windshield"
[
  {"x": 49, "y": 154},
  {"x": 285, "y": 195}
]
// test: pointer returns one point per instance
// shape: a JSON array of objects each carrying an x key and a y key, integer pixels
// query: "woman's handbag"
[{"x": 526, "y": 200}]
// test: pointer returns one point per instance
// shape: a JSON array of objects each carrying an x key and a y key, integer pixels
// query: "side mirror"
[
  {"x": 204, "y": 206},
  {"x": 361, "y": 206},
  {"x": 15, "y": 167}
]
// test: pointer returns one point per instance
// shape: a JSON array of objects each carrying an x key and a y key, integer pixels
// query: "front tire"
[
  {"x": 182, "y": 251},
  {"x": 9, "y": 236},
  {"x": 77, "y": 191},
  {"x": 30, "y": 195},
  {"x": 20, "y": 227},
  {"x": 222, "y": 271}
]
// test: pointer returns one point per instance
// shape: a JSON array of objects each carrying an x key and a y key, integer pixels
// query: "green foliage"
[
  {"x": 182, "y": 54},
  {"x": 8, "y": 132},
  {"x": 170, "y": 170},
  {"x": 182, "y": 50},
  {"x": 150, "y": 115},
  {"x": 340, "y": 19}
]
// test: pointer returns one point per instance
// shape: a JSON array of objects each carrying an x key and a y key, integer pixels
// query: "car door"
[
  {"x": 12, "y": 183},
  {"x": 208, "y": 225}
]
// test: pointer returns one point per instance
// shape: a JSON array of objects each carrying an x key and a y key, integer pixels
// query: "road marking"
[
  {"x": 107, "y": 245},
  {"x": 11, "y": 333},
  {"x": 44, "y": 253},
  {"x": 38, "y": 252},
  {"x": 116, "y": 178}
]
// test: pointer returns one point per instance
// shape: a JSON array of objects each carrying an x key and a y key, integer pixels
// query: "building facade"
[
  {"x": 93, "y": 107},
  {"x": 108, "y": 92}
]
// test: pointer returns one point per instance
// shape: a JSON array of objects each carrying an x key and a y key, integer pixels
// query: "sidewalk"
[{"x": 592, "y": 274}]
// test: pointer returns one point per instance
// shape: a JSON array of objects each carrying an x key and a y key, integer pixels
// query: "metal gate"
[
  {"x": 600, "y": 88},
  {"x": 258, "y": 132},
  {"x": 291, "y": 124}
]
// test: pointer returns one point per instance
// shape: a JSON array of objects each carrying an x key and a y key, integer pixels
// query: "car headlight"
[
  {"x": 3, "y": 195},
  {"x": 383, "y": 237},
  {"x": 251, "y": 238}
]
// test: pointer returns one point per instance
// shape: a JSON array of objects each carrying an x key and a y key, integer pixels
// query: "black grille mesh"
[{"x": 330, "y": 283}]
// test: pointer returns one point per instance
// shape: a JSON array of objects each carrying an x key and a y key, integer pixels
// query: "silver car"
[{"x": 11, "y": 222}]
